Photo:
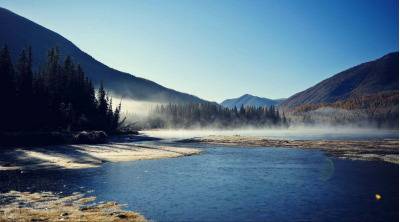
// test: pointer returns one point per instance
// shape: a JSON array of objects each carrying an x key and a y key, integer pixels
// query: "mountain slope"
[
  {"x": 250, "y": 100},
  {"x": 18, "y": 33},
  {"x": 378, "y": 76}
]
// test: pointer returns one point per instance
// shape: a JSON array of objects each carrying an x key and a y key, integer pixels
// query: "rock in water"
[{"x": 91, "y": 137}]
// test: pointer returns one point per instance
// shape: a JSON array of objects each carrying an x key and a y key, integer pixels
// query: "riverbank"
[
  {"x": 382, "y": 149},
  {"x": 84, "y": 156},
  {"x": 48, "y": 206}
]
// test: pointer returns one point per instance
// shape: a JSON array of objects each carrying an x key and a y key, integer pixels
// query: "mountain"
[
  {"x": 250, "y": 100},
  {"x": 368, "y": 79},
  {"x": 18, "y": 32}
]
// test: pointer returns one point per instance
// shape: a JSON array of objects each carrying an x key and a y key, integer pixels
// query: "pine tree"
[
  {"x": 24, "y": 90},
  {"x": 102, "y": 107},
  {"x": 7, "y": 90},
  {"x": 58, "y": 97},
  {"x": 116, "y": 117}
]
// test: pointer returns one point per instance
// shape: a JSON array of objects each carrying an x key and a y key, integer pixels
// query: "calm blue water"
[{"x": 240, "y": 184}]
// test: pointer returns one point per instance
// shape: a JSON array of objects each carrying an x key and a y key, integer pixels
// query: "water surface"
[{"x": 235, "y": 184}]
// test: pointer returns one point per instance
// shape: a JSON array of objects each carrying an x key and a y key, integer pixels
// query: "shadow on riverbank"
[{"x": 78, "y": 156}]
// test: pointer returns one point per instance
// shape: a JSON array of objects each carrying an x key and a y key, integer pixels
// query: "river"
[{"x": 234, "y": 184}]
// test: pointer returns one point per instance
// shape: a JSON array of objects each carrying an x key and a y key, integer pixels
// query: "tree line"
[
  {"x": 214, "y": 115},
  {"x": 379, "y": 109},
  {"x": 57, "y": 97}
]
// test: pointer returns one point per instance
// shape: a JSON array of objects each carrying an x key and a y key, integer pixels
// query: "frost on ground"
[
  {"x": 47, "y": 206},
  {"x": 84, "y": 156}
]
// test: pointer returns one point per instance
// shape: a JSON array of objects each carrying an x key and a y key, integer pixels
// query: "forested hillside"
[
  {"x": 366, "y": 94},
  {"x": 58, "y": 97},
  {"x": 18, "y": 32},
  {"x": 379, "y": 110},
  {"x": 380, "y": 75}
]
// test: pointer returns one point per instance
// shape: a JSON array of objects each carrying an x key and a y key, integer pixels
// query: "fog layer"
[{"x": 293, "y": 132}]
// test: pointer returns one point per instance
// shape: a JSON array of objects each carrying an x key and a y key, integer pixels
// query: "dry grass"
[{"x": 47, "y": 206}]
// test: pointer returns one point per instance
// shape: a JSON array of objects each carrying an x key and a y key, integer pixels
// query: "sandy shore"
[
  {"x": 47, "y": 206},
  {"x": 383, "y": 150},
  {"x": 84, "y": 156}
]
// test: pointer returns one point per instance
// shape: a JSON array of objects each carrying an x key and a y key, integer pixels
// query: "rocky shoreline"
[{"x": 383, "y": 150}]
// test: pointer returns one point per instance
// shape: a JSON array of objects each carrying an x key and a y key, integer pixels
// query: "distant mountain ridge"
[
  {"x": 378, "y": 76},
  {"x": 250, "y": 100},
  {"x": 366, "y": 95},
  {"x": 18, "y": 32}
]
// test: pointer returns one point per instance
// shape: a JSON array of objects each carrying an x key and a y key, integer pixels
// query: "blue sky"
[{"x": 223, "y": 49}]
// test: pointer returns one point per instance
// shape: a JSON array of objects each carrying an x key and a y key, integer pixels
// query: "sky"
[{"x": 223, "y": 49}]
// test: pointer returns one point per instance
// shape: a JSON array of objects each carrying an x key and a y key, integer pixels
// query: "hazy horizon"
[{"x": 224, "y": 49}]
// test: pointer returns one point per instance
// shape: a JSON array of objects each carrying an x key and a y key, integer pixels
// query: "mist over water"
[
  {"x": 131, "y": 107},
  {"x": 291, "y": 133},
  {"x": 138, "y": 112},
  {"x": 139, "y": 109}
]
